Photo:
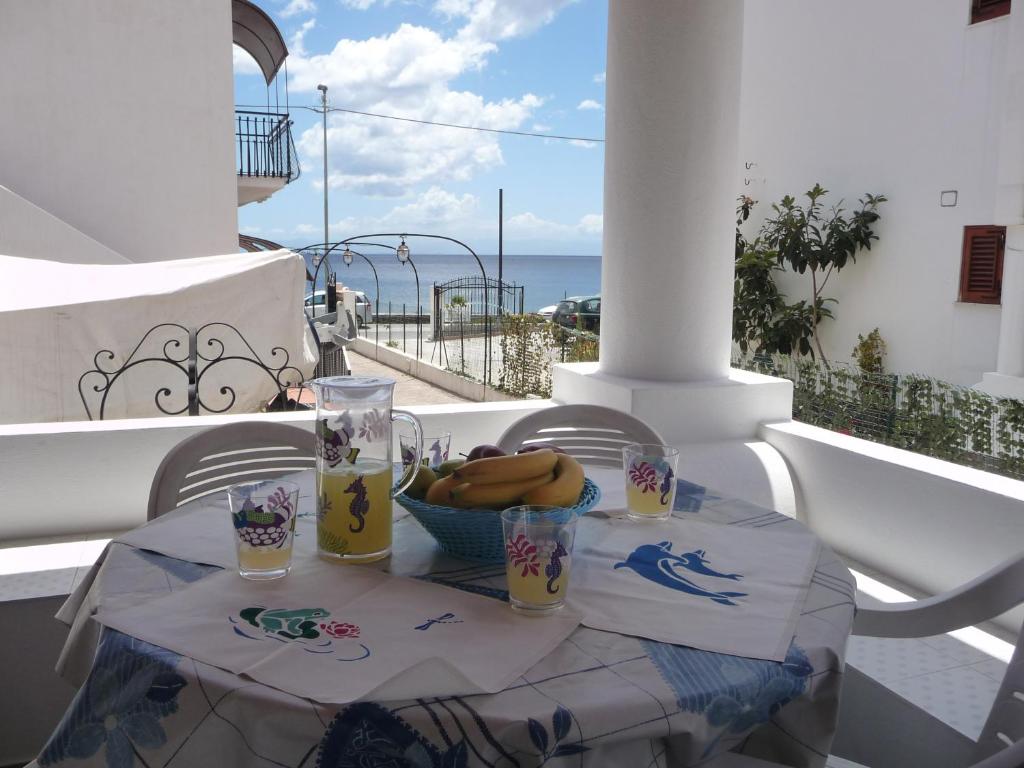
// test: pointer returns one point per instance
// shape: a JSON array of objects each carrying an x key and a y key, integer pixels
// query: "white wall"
[
  {"x": 105, "y": 468},
  {"x": 927, "y": 523},
  {"x": 901, "y": 98},
  {"x": 27, "y": 230},
  {"x": 117, "y": 118}
]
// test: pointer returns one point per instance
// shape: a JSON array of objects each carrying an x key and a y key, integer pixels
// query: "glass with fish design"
[
  {"x": 538, "y": 556},
  {"x": 650, "y": 474},
  {"x": 263, "y": 516}
]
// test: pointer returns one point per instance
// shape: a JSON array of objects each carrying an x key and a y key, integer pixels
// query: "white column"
[
  {"x": 670, "y": 183},
  {"x": 1010, "y": 361}
]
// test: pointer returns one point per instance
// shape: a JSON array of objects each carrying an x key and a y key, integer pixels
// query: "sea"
[{"x": 546, "y": 280}]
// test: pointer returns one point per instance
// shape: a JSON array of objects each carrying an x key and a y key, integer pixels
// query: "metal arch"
[
  {"x": 483, "y": 272},
  {"x": 376, "y": 315}
]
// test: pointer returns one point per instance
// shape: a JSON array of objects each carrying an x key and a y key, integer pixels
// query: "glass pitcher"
[{"x": 353, "y": 466}]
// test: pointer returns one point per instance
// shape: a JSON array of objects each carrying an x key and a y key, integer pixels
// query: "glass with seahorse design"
[{"x": 354, "y": 470}]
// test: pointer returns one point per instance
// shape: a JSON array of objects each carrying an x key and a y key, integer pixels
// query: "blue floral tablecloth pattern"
[{"x": 598, "y": 699}]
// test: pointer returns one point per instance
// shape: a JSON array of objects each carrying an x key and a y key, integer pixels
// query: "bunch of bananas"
[{"x": 538, "y": 477}]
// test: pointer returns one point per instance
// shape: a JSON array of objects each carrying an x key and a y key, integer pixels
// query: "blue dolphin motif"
[
  {"x": 695, "y": 561},
  {"x": 657, "y": 563}
]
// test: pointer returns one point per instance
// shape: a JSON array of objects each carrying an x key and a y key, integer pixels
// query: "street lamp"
[
  {"x": 402, "y": 251},
  {"x": 323, "y": 104}
]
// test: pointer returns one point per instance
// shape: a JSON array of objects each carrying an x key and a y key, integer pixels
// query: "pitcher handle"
[{"x": 411, "y": 469}]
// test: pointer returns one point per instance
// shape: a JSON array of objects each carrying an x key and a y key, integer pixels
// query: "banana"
[
  {"x": 566, "y": 488},
  {"x": 507, "y": 469},
  {"x": 440, "y": 491},
  {"x": 501, "y": 495}
]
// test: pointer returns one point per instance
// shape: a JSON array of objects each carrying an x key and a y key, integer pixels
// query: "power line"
[{"x": 447, "y": 125}]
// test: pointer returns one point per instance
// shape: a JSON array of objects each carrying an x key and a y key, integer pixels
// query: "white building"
[
  {"x": 919, "y": 100},
  {"x": 118, "y": 139}
]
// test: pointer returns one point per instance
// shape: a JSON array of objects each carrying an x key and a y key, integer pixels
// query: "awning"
[{"x": 258, "y": 35}]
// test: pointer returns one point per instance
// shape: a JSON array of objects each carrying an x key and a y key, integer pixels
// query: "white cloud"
[
  {"x": 599, "y": 77},
  {"x": 296, "y": 7},
  {"x": 435, "y": 208},
  {"x": 363, "y": 5},
  {"x": 297, "y": 45},
  {"x": 494, "y": 20},
  {"x": 583, "y": 143},
  {"x": 541, "y": 127},
  {"x": 589, "y": 104},
  {"x": 592, "y": 224},
  {"x": 529, "y": 226},
  {"x": 243, "y": 63},
  {"x": 408, "y": 73}
]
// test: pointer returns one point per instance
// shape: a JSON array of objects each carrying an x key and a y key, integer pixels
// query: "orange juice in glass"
[
  {"x": 538, "y": 556},
  {"x": 263, "y": 516},
  {"x": 650, "y": 480}
]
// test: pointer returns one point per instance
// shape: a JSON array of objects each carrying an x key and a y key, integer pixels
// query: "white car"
[
  {"x": 318, "y": 300},
  {"x": 547, "y": 312}
]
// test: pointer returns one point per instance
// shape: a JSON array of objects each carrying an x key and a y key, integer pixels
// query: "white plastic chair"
[
  {"x": 592, "y": 434},
  {"x": 212, "y": 460},
  {"x": 1001, "y": 744}
]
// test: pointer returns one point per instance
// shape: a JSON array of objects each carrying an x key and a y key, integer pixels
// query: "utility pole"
[
  {"x": 323, "y": 105},
  {"x": 501, "y": 250}
]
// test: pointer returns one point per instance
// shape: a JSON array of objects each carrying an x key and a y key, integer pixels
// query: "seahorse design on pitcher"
[
  {"x": 554, "y": 569},
  {"x": 359, "y": 505},
  {"x": 666, "y": 485}
]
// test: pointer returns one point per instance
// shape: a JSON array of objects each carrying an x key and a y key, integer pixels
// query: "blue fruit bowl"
[{"x": 476, "y": 534}]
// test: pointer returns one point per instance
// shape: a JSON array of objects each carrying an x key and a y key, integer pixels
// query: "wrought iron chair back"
[
  {"x": 212, "y": 460},
  {"x": 189, "y": 354}
]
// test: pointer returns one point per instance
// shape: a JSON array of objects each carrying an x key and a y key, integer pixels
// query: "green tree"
[{"x": 805, "y": 239}]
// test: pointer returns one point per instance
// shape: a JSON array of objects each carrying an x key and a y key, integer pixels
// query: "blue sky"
[{"x": 528, "y": 65}]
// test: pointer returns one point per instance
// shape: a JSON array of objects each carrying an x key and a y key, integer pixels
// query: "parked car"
[
  {"x": 364, "y": 309},
  {"x": 546, "y": 312},
  {"x": 582, "y": 312}
]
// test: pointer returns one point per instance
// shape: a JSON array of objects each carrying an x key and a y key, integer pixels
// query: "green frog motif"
[{"x": 300, "y": 623}]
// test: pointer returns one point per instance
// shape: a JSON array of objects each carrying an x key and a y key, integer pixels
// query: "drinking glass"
[
  {"x": 354, "y": 485},
  {"x": 435, "y": 449},
  {"x": 263, "y": 514},
  {"x": 538, "y": 556},
  {"x": 650, "y": 480}
]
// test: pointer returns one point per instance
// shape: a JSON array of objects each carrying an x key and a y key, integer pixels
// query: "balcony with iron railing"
[{"x": 265, "y": 151}]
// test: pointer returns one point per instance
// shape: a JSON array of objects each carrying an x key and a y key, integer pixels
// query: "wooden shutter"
[
  {"x": 982, "y": 10},
  {"x": 981, "y": 268}
]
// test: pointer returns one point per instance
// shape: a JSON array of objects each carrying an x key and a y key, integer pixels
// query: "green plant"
[
  {"x": 762, "y": 320},
  {"x": 870, "y": 352},
  {"x": 819, "y": 241},
  {"x": 392, "y": 344},
  {"x": 459, "y": 304}
]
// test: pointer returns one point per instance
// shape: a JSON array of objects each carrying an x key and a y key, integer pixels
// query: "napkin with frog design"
[
  {"x": 715, "y": 587},
  {"x": 336, "y": 634}
]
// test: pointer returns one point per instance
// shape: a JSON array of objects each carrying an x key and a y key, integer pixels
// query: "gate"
[{"x": 468, "y": 308}]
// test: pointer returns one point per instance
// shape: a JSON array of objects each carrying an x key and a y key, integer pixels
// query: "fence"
[
  {"x": 529, "y": 346},
  {"x": 265, "y": 145},
  {"x": 917, "y": 413}
]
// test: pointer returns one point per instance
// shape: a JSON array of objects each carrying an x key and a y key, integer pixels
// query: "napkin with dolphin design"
[{"x": 716, "y": 587}]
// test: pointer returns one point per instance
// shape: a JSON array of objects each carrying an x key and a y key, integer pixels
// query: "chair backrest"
[
  {"x": 592, "y": 434},
  {"x": 1005, "y": 725},
  {"x": 212, "y": 460}
]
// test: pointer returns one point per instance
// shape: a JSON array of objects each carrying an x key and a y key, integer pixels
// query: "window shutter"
[
  {"x": 982, "y": 10},
  {"x": 981, "y": 268}
]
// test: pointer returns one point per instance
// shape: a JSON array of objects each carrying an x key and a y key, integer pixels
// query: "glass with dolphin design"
[
  {"x": 538, "y": 556},
  {"x": 354, "y": 472},
  {"x": 650, "y": 474}
]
